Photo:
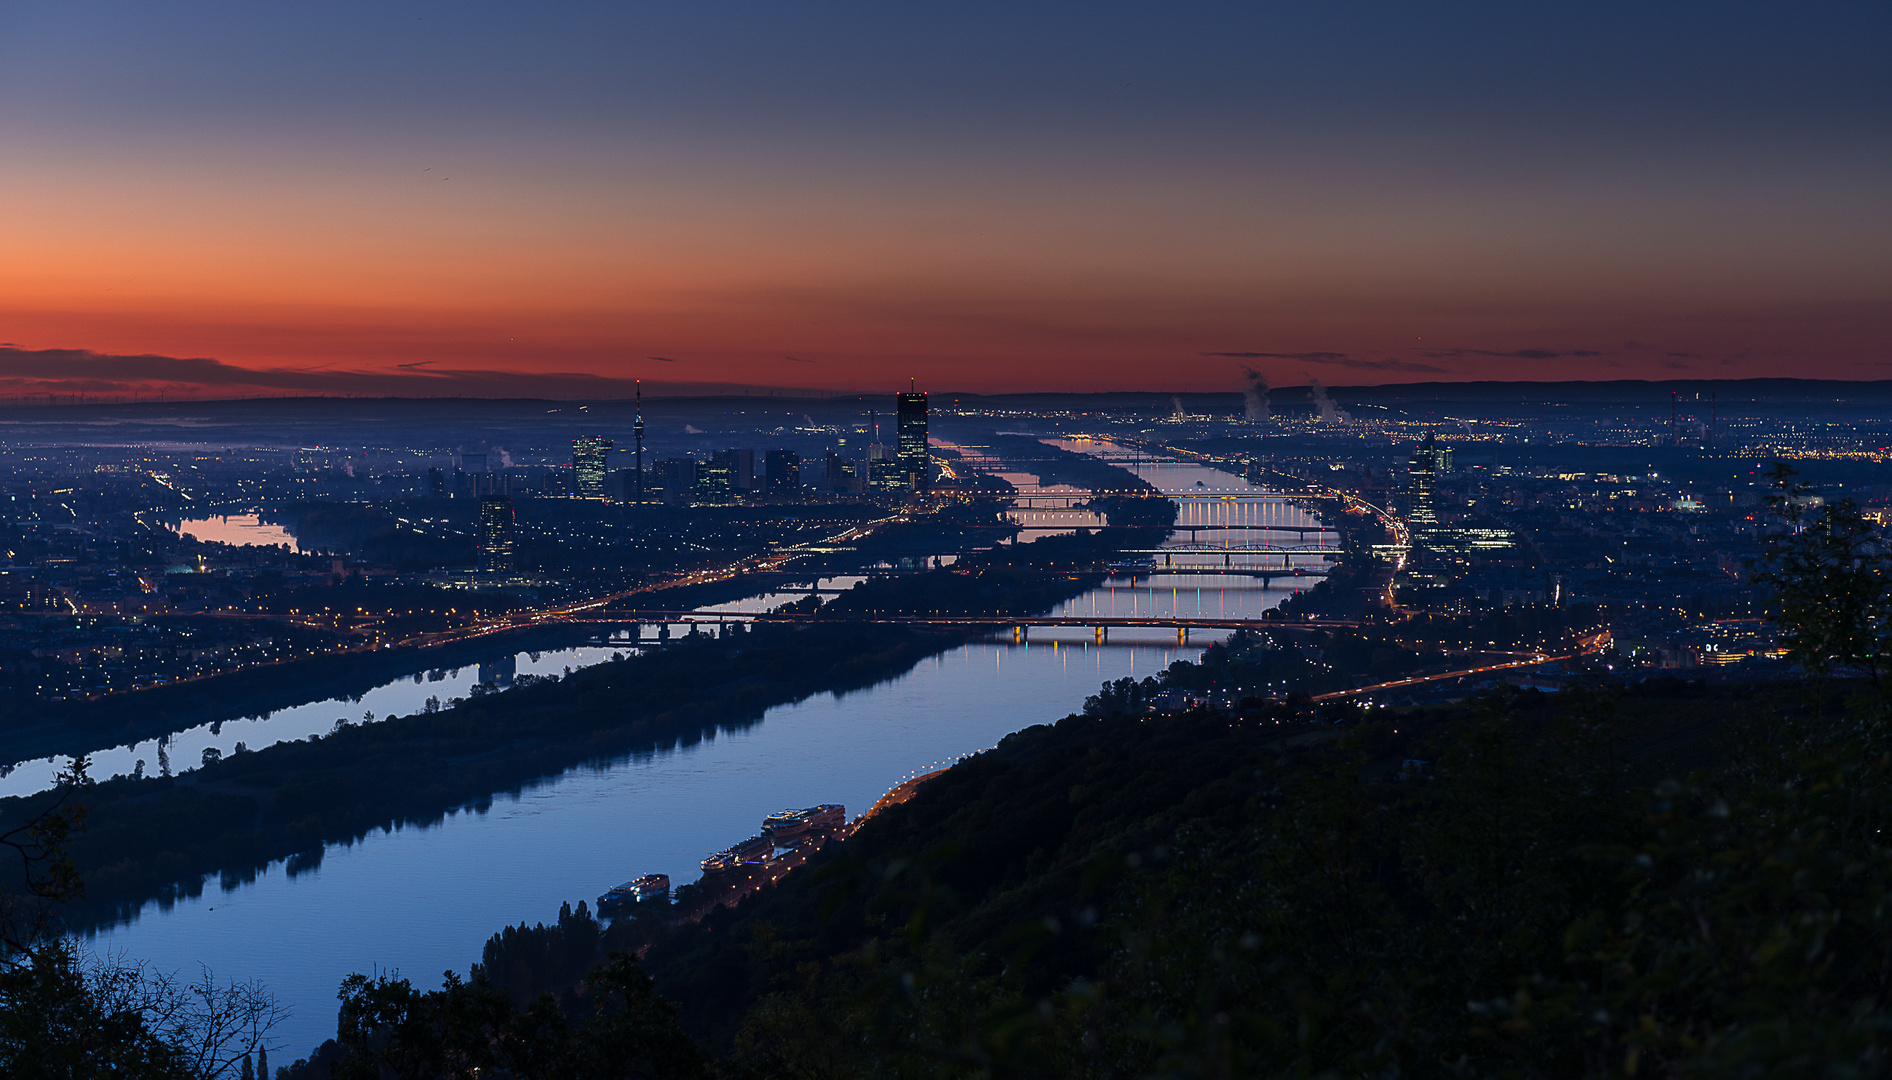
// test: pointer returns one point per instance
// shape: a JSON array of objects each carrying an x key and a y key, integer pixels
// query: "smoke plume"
[
  {"x": 1329, "y": 412},
  {"x": 1255, "y": 395}
]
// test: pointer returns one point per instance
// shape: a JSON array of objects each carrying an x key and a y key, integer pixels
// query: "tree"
[
  {"x": 45, "y": 872},
  {"x": 63, "y": 1014},
  {"x": 1832, "y": 583},
  {"x": 54, "y": 1023},
  {"x": 387, "y": 1028},
  {"x": 211, "y": 1028}
]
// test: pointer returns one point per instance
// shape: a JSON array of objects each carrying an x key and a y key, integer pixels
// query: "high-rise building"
[
  {"x": 716, "y": 480},
  {"x": 436, "y": 483},
  {"x": 589, "y": 457},
  {"x": 782, "y": 472},
  {"x": 840, "y": 474},
  {"x": 677, "y": 477},
  {"x": 915, "y": 467},
  {"x": 1422, "y": 474},
  {"x": 496, "y": 542},
  {"x": 883, "y": 469},
  {"x": 741, "y": 464}
]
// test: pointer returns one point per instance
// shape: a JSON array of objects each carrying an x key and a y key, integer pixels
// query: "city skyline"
[{"x": 220, "y": 201}]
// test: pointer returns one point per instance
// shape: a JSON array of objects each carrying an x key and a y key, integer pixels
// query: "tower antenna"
[{"x": 638, "y": 430}]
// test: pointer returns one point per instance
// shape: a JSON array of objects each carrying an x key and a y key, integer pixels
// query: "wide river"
[{"x": 421, "y": 901}]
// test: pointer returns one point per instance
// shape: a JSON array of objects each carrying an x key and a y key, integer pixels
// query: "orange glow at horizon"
[{"x": 311, "y": 200}]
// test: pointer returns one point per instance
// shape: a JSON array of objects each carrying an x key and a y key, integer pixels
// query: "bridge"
[
  {"x": 1020, "y": 625},
  {"x": 1302, "y": 529},
  {"x": 1266, "y": 574},
  {"x": 1074, "y": 499},
  {"x": 1193, "y": 529},
  {"x": 1212, "y": 549}
]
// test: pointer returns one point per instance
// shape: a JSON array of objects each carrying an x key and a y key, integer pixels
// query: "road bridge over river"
[{"x": 1020, "y": 625}]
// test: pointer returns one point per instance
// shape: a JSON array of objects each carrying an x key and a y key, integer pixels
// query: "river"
[
  {"x": 399, "y": 697},
  {"x": 420, "y": 901}
]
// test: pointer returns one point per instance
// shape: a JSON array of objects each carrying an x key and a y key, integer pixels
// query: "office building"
[
  {"x": 590, "y": 458},
  {"x": 915, "y": 467},
  {"x": 436, "y": 483},
  {"x": 1422, "y": 474},
  {"x": 782, "y": 472},
  {"x": 883, "y": 469},
  {"x": 677, "y": 479},
  {"x": 840, "y": 474},
  {"x": 716, "y": 480},
  {"x": 496, "y": 540},
  {"x": 741, "y": 466}
]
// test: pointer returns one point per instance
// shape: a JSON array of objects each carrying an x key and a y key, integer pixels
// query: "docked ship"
[
  {"x": 789, "y": 826},
  {"x": 648, "y": 887},
  {"x": 755, "y": 851}
]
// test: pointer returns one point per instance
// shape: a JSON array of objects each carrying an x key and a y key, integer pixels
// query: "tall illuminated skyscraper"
[
  {"x": 589, "y": 454},
  {"x": 1422, "y": 474},
  {"x": 915, "y": 468},
  {"x": 496, "y": 545}
]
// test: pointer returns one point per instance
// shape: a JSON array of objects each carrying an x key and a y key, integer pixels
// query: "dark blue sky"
[{"x": 988, "y": 196}]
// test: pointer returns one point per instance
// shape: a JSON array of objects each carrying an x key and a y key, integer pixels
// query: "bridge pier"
[
  {"x": 1019, "y": 633},
  {"x": 1103, "y": 634},
  {"x": 1182, "y": 635}
]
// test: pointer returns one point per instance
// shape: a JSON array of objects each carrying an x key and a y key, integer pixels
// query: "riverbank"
[
  {"x": 161, "y": 838},
  {"x": 43, "y": 729}
]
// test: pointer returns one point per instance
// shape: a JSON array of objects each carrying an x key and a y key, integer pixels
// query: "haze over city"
[{"x": 833, "y": 541}]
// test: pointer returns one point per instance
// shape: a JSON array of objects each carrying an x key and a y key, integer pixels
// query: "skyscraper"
[
  {"x": 588, "y": 465},
  {"x": 677, "y": 478},
  {"x": 496, "y": 546},
  {"x": 884, "y": 471},
  {"x": 741, "y": 467},
  {"x": 1422, "y": 473},
  {"x": 716, "y": 480},
  {"x": 915, "y": 469},
  {"x": 783, "y": 471}
]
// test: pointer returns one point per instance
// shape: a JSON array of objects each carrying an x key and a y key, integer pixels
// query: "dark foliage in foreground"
[{"x": 1505, "y": 888}]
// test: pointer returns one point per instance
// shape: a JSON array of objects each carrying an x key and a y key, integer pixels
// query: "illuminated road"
[{"x": 1591, "y": 645}]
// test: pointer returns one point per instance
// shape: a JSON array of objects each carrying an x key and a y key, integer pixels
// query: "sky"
[{"x": 556, "y": 199}]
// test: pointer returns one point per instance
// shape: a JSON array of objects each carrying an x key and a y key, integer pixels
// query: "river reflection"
[
  {"x": 402, "y": 697},
  {"x": 422, "y": 901}
]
